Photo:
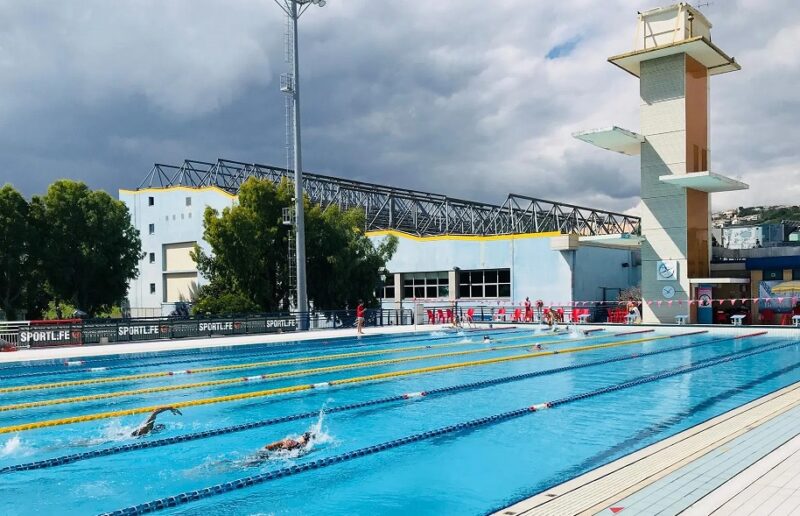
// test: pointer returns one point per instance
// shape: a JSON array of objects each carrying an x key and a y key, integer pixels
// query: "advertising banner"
[
  {"x": 125, "y": 331},
  {"x": 705, "y": 312},
  {"x": 42, "y": 337}
]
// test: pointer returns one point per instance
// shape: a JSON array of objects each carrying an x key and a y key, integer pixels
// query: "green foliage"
[
  {"x": 16, "y": 248},
  {"x": 222, "y": 303},
  {"x": 775, "y": 215},
  {"x": 249, "y": 260},
  {"x": 249, "y": 246},
  {"x": 343, "y": 264},
  {"x": 92, "y": 248}
]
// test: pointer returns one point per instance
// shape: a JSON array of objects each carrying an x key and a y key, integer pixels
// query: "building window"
[
  {"x": 151, "y": 201},
  {"x": 173, "y": 216},
  {"x": 386, "y": 292},
  {"x": 182, "y": 216},
  {"x": 166, "y": 218},
  {"x": 773, "y": 274},
  {"x": 152, "y": 288},
  {"x": 796, "y": 274},
  {"x": 152, "y": 257},
  {"x": 489, "y": 283},
  {"x": 190, "y": 214},
  {"x": 188, "y": 201},
  {"x": 152, "y": 229},
  {"x": 425, "y": 285}
]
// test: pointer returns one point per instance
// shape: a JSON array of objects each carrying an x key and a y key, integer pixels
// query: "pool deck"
[{"x": 745, "y": 461}]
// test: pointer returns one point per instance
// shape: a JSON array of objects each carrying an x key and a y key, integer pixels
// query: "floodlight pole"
[
  {"x": 294, "y": 9},
  {"x": 300, "y": 228}
]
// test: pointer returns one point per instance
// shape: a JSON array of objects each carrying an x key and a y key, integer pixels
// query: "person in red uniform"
[
  {"x": 360, "y": 317},
  {"x": 528, "y": 310},
  {"x": 796, "y": 309}
]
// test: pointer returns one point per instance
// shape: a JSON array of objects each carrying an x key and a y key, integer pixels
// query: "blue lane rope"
[
  {"x": 69, "y": 459},
  {"x": 235, "y": 356},
  {"x": 225, "y": 487}
]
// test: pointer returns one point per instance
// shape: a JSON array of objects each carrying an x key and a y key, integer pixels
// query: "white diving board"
[
  {"x": 614, "y": 139},
  {"x": 704, "y": 181}
]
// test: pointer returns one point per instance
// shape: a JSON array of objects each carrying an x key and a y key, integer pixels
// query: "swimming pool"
[{"x": 473, "y": 443}]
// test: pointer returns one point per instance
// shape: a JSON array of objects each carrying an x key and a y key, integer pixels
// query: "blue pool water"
[{"x": 467, "y": 471}]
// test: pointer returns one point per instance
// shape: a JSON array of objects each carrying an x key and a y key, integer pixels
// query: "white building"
[{"x": 449, "y": 249}]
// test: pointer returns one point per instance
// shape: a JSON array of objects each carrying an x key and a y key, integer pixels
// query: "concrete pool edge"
[
  {"x": 598, "y": 490},
  {"x": 32, "y": 355}
]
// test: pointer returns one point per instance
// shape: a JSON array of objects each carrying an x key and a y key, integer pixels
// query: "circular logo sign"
[
  {"x": 704, "y": 300},
  {"x": 668, "y": 292},
  {"x": 666, "y": 270}
]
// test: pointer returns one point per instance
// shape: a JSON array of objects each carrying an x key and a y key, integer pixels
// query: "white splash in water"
[
  {"x": 234, "y": 461},
  {"x": 113, "y": 431},
  {"x": 574, "y": 331},
  {"x": 15, "y": 447},
  {"x": 439, "y": 334}
]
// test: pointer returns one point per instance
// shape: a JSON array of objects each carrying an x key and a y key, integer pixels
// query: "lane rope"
[
  {"x": 140, "y": 445},
  {"x": 234, "y": 352},
  {"x": 249, "y": 481},
  {"x": 255, "y": 378},
  {"x": 248, "y": 365},
  {"x": 346, "y": 381}
]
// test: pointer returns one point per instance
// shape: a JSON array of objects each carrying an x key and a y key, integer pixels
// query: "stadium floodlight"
[{"x": 294, "y": 9}]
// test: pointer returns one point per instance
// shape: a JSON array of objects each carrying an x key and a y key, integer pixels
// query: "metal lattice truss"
[{"x": 409, "y": 211}]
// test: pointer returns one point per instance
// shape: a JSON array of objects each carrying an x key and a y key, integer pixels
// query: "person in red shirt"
[
  {"x": 796, "y": 309},
  {"x": 528, "y": 310},
  {"x": 360, "y": 317}
]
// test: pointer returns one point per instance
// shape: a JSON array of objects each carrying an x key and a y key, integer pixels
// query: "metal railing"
[{"x": 401, "y": 209}]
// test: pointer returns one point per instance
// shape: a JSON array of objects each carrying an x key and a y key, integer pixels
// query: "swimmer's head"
[{"x": 308, "y": 435}]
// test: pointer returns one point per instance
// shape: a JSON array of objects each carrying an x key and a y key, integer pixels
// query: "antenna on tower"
[{"x": 704, "y": 4}]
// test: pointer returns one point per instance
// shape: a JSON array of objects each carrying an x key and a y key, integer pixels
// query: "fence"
[
  {"x": 39, "y": 334},
  {"x": 9, "y": 334}
]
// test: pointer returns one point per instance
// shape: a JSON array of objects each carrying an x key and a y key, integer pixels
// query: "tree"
[
  {"x": 249, "y": 258},
  {"x": 343, "y": 264},
  {"x": 92, "y": 248},
  {"x": 248, "y": 245},
  {"x": 16, "y": 258}
]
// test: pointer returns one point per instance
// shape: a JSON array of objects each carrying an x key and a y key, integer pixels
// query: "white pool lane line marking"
[{"x": 598, "y": 490}]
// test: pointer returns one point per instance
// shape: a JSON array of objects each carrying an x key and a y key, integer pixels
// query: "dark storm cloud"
[{"x": 451, "y": 97}]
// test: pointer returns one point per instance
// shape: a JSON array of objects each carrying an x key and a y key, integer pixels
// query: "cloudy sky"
[{"x": 473, "y": 98}]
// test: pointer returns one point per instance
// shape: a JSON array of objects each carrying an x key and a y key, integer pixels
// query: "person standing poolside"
[
  {"x": 360, "y": 317},
  {"x": 528, "y": 310},
  {"x": 633, "y": 309}
]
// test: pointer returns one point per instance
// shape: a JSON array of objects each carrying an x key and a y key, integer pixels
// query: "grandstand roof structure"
[{"x": 410, "y": 211}]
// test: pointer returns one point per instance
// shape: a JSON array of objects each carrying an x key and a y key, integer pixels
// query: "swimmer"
[
  {"x": 487, "y": 339},
  {"x": 537, "y": 347},
  {"x": 287, "y": 444},
  {"x": 150, "y": 425}
]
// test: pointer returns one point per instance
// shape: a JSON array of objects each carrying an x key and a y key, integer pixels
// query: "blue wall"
[
  {"x": 537, "y": 271},
  {"x": 597, "y": 267}
]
